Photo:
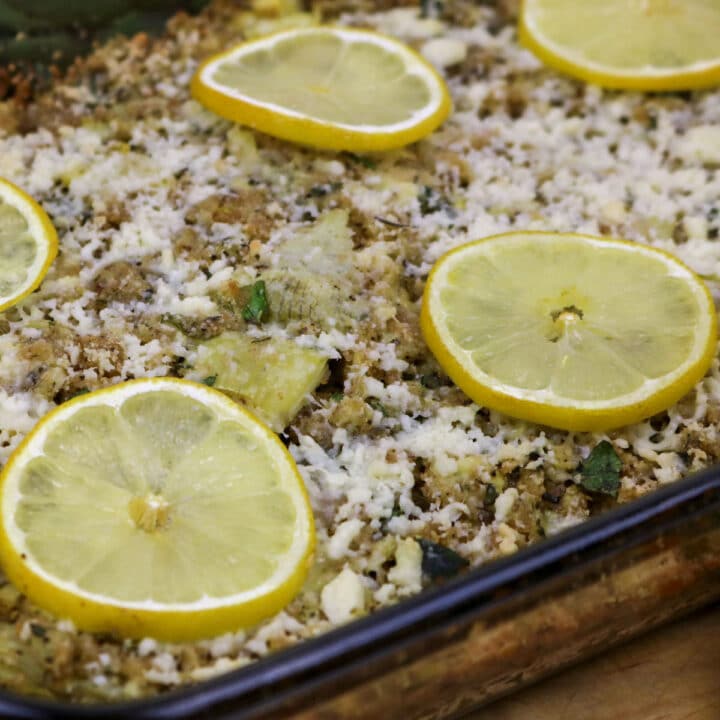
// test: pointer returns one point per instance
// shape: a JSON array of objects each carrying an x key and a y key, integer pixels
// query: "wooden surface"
[{"x": 670, "y": 674}]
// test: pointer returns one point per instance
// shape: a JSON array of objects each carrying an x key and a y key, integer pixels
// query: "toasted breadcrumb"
[{"x": 167, "y": 214}]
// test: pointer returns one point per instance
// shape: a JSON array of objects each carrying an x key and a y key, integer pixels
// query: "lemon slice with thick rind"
[
  {"x": 28, "y": 244},
  {"x": 631, "y": 44},
  {"x": 327, "y": 87},
  {"x": 155, "y": 508},
  {"x": 571, "y": 331}
]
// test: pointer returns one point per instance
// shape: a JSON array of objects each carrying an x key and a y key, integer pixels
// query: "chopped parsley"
[
  {"x": 431, "y": 381},
  {"x": 491, "y": 494},
  {"x": 431, "y": 201},
  {"x": 600, "y": 472},
  {"x": 209, "y": 380},
  {"x": 38, "y": 630},
  {"x": 366, "y": 162},
  {"x": 257, "y": 308},
  {"x": 375, "y": 404},
  {"x": 430, "y": 8},
  {"x": 322, "y": 190}
]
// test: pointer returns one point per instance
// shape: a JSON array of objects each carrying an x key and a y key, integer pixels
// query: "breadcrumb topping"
[{"x": 167, "y": 215}]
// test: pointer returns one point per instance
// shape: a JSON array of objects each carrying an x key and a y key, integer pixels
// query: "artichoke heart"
[
  {"x": 271, "y": 377},
  {"x": 325, "y": 247},
  {"x": 313, "y": 277}
]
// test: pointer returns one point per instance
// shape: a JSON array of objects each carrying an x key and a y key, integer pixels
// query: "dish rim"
[{"x": 294, "y": 671}]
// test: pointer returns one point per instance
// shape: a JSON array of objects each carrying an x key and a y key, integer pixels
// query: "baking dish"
[{"x": 492, "y": 631}]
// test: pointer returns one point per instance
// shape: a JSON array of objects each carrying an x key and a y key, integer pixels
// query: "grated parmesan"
[{"x": 133, "y": 171}]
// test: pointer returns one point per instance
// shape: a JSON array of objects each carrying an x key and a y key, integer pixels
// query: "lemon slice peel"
[
  {"x": 43, "y": 233},
  {"x": 286, "y": 123},
  {"x": 172, "y": 621},
  {"x": 544, "y": 406},
  {"x": 568, "y": 58}
]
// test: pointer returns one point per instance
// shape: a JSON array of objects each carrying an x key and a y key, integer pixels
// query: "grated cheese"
[{"x": 389, "y": 450}]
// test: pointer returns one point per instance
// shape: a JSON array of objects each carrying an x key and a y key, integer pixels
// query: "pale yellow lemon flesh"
[
  {"x": 328, "y": 87},
  {"x": 571, "y": 331},
  {"x": 631, "y": 44},
  {"x": 28, "y": 244},
  {"x": 155, "y": 508}
]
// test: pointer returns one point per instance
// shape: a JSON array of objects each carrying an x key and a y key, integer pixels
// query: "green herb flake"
[
  {"x": 210, "y": 380},
  {"x": 430, "y": 8},
  {"x": 440, "y": 562},
  {"x": 431, "y": 201},
  {"x": 375, "y": 404},
  {"x": 322, "y": 190},
  {"x": 337, "y": 396},
  {"x": 257, "y": 309},
  {"x": 431, "y": 381},
  {"x": 600, "y": 472},
  {"x": 363, "y": 160},
  {"x": 38, "y": 630},
  {"x": 491, "y": 494}
]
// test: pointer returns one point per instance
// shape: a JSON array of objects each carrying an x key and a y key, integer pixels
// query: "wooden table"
[{"x": 670, "y": 674}]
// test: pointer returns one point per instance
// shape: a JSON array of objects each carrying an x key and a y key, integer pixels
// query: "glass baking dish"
[{"x": 481, "y": 636}]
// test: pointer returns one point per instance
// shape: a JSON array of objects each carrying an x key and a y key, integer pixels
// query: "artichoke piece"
[
  {"x": 313, "y": 275},
  {"x": 272, "y": 377},
  {"x": 309, "y": 298},
  {"x": 324, "y": 248}
]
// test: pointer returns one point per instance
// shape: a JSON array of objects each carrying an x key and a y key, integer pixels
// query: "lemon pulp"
[
  {"x": 335, "y": 88},
  {"x": 640, "y": 44},
  {"x": 28, "y": 244},
  {"x": 147, "y": 507}
]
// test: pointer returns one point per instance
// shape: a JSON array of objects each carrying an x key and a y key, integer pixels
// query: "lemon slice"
[
  {"x": 328, "y": 87},
  {"x": 633, "y": 44},
  {"x": 155, "y": 508},
  {"x": 570, "y": 331},
  {"x": 28, "y": 244}
]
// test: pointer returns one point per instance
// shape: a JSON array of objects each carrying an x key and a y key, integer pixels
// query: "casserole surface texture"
[{"x": 168, "y": 216}]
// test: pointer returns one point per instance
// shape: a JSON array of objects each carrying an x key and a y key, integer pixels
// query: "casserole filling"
[{"x": 291, "y": 279}]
